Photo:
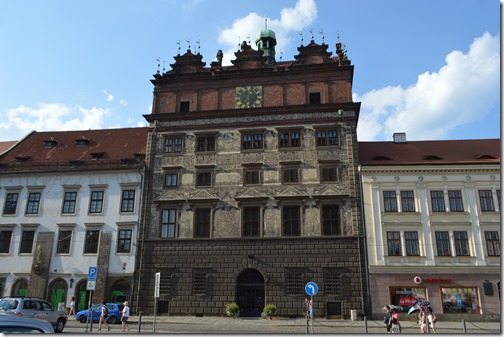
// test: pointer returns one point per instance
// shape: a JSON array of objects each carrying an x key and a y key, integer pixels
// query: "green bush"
[
  {"x": 232, "y": 309},
  {"x": 269, "y": 310}
]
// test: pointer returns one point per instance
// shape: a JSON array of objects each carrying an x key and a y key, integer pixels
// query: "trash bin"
[{"x": 353, "y": 315}]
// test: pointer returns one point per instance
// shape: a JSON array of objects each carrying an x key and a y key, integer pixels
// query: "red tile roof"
[
  {"x": 83, "y": 149},
  {"x": 477, "y": 151},
  {"x": 4, "y": 146}
]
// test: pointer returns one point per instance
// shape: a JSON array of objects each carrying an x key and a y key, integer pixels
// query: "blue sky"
[{"x": 429, "y": 68}]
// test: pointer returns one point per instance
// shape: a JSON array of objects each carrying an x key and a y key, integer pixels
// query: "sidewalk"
[{"x": 248, "y": 325}]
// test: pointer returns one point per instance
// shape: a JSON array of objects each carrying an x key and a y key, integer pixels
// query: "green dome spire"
[{"x": 266, "y": 41}]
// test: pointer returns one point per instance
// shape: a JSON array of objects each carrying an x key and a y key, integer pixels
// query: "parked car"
[
  {"x": 114, "y": 315},
  {"x": 17, "y": 324},
  {"x": 34, "y": 308}
]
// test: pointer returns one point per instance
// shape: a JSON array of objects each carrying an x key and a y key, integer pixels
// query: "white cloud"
[
  {"x": 245, "y": 29},
  {"x": 461, "y": 92},
  {"x": 123, "y": 102},
  {"x": 50, "y": 117},
  {"x": 110, "y": 98}
]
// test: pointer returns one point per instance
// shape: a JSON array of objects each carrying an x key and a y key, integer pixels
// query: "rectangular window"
[
  {"x": 26, "y": 246},
  {"x": 394, "y": 243},
  {"x": 91, "y": 243},
  {"x": 331, "y": 224},
  {"x": 11, "y": 203},
  {"x": 460, "y": 300},
  {"x": 407, "y": 201},
  {"x": 168, "y": 223},
  {"x": 124, "y": 240},
  {"x": 205, "y": 144},
  {"x": 171, "y": 179},
  {"x": 291, "y": 221},
  {"x": 461, "y": 244},
  {"x": 185, "y": 106},
  {"x": 251, "y": 176},
  {"x": 174, "y": 145},
  {"x": 492, "y": 243},
  {"x": 64, "y": 240},
  {"x": 252, "y": 141},
  {"x": 128, "y": 201},
  {"x": 437, "y": 201},
  {"x": 5, "y": 240},
  {"x": 327, "y": 137},
  {"x": 333, "y": 283},
  {"x": 443, "y": 244},
  {"x": 32, "y": 207},
  {"x": 200, "y": 282},
  {"x": 290, "y": 175},
  {"x": 486, "y": 201},
  {"x": 390, "y": 201},
  {"x": 289, "y": 139},
  {"x": 294, "y": 282},
  {"x": 314, "y": 98},
  {"x": 455, "y": 198},
  {"x": 411, "y": 241},
  {"x": 204, "y": 178},
  {"x": 202, "y": 223},
  {"x": 96, "y": 202},
  {"x": 69, "y": 203},
  {"x": 328, "y": 173},
  {"x": 251, "y": 221}
]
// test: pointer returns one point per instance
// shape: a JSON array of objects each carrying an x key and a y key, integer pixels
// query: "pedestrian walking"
[
  {"x": 431, "y": 316},
  {"x": 309, "y": 308},
  {"x": 124, "y": 318},
  {"x": 386, "y": 319},
  {"x": 103, "y": 316},
  {"x": 72, "y": 306},
  {"x": 422, "y": 321},
  {"x": 394, "y": 322}
]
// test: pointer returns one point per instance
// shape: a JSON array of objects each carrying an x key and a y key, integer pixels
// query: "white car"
[
  {"x": 16, "y": 324},
  {"x": 34, "y": 308}
]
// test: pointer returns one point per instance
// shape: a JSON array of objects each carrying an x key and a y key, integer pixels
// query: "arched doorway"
[
  {"x": 58, "y": 293},
  {"x": 83, "y": 295},
  {"x": 250, "y": 293},
  {"x": 19, "y": 288},
  {"x": 120, "y": 292}
]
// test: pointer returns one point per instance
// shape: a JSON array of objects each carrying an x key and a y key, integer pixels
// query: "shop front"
[{"x": 475, "y": 297}]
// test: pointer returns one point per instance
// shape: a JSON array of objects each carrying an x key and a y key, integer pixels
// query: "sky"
[{"x": 430, "y": 68}]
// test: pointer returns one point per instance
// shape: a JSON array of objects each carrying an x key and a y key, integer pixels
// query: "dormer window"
[
  {"x": 81, "y": 142},
  {"x": 50, "y": 143},
  {"x": 21, "y": 159},
  {"x": 96, "y": 155}
]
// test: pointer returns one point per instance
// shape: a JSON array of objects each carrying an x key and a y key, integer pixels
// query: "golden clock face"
[{"x": 248, "y": 97}]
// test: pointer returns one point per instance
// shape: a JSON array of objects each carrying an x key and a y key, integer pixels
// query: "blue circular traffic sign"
[{"x": 311, "y": 288}]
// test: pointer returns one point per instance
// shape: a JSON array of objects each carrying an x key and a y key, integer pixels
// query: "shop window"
[
  {"x": 460, "y": 300},
  {"x": 406, "y": 297}
]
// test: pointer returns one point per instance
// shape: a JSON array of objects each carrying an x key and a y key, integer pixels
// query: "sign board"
[
  {"x": 91, "y": 285},
  {"x": 311, "y": 288},
  {"x": 92, "y": 274},
  {"x": 156, "y": 284}
]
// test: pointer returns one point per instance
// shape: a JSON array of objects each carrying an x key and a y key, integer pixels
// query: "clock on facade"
[{"x": 248, "y": 97}]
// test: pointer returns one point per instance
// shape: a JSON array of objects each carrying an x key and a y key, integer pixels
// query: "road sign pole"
[{"x": 311, "y": 313}]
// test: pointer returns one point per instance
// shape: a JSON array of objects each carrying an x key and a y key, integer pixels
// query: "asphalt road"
[{"x": 227, "y": 325}]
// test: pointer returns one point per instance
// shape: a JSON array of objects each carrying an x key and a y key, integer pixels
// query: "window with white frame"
[
  {"x": 437, "y": 201},
  {"x": 394, "y": 243},
  {"x": 407, "y": 201},
  {"x": 443, "y": 243},
  {"x": 461, "y": 243},
  {"x": 455, "y": 199},
  {"x": 390, "y": 201},
  {"x": 32, "y": 206},
  {"x": 486, "y": 201},
  {"x": 492, "y": 243},
  {"x": 411, "y": 243}
]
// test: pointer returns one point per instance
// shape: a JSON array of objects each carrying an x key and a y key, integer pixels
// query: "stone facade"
[{"x": 231, "y": 221}]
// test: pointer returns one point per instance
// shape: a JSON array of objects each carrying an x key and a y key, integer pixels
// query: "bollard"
[
  {"x": 139, "y": 321},
  {"x": 365, "y": 325},
  {"x": 464, "y": 326}
]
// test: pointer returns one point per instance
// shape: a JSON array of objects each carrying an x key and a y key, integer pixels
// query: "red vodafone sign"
[{"x": 418, "y": 280}]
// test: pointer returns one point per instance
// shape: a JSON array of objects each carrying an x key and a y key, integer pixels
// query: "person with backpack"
[{"x": 103, "y": 316}]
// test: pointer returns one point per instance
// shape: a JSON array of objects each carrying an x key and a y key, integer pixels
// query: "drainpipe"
[{"x": 364, "y": 234}]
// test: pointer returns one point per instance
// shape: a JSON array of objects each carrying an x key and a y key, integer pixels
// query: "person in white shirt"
[{"x": 125, "y": 314}]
